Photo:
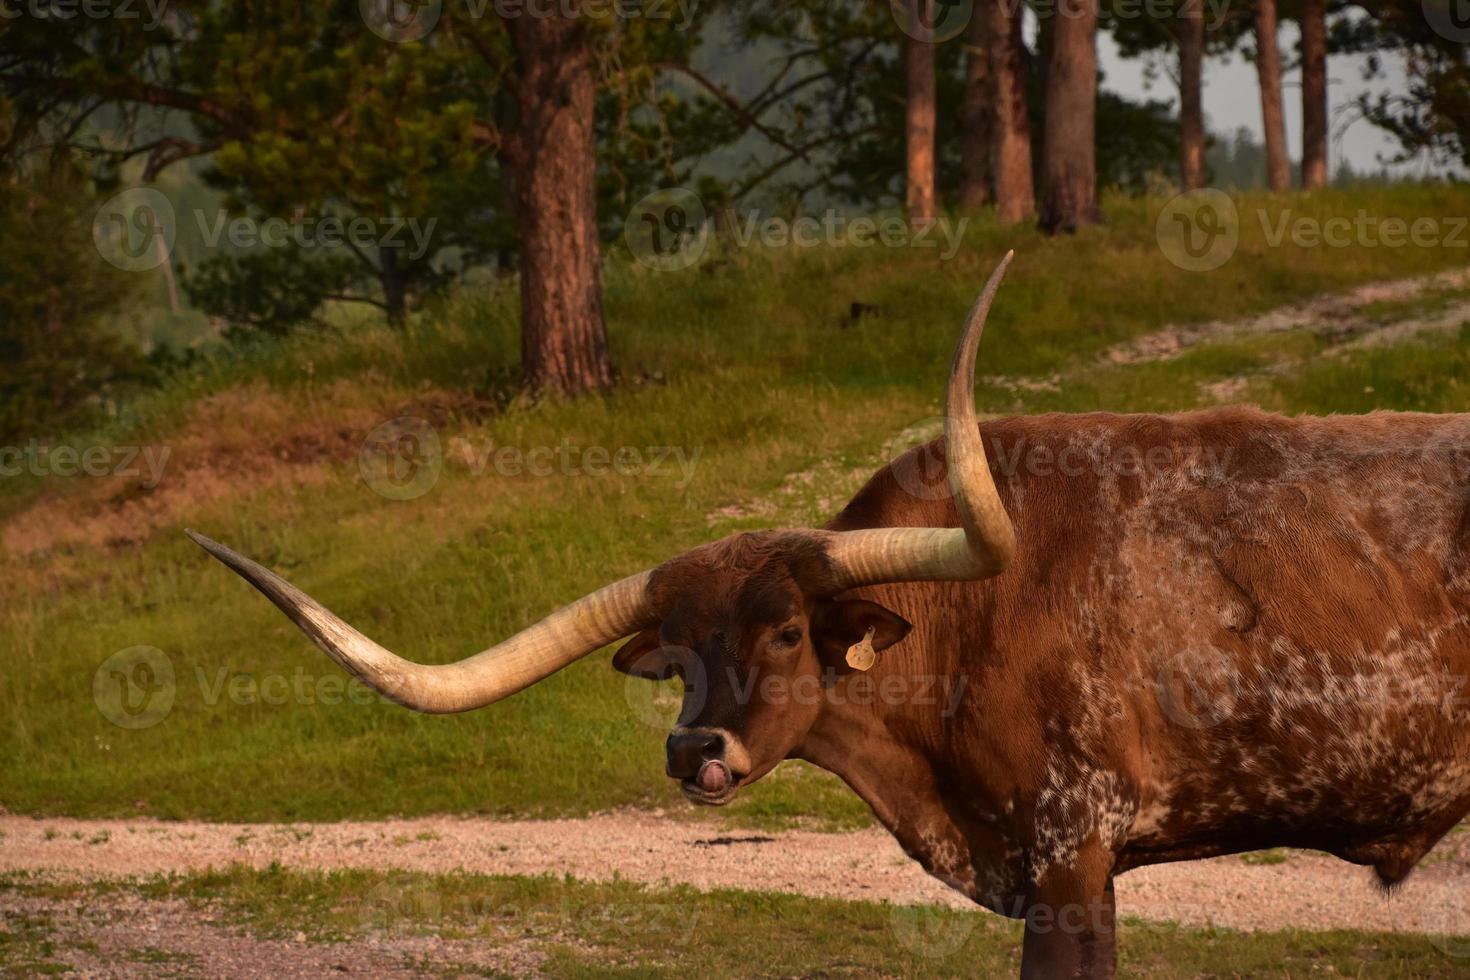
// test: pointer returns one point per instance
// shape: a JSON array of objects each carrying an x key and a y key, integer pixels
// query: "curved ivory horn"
[
  {"x": 568, "y": 634},
  {"x": 985, "y": 542},
  {"x": 981, "y": 547}
]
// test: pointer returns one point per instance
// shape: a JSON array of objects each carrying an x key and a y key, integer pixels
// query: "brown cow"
[{"x": 1221, "y": 631}]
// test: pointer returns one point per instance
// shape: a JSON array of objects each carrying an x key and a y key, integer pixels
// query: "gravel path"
[{"x": 1298, "y": 890}]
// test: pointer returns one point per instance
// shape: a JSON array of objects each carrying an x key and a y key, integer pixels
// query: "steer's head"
[
  {"x": 755, "y": 624},
  {"x": 751, "y": 626}
]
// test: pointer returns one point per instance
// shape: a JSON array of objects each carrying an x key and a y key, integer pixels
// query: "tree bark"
[
  {"x": 1011, "y": 126},
  {"x": 1068, "y": 155},
  {"x": 1314, "y": 93},
  {"x": 1273, "y": 115},
  {"x": 395, "y": 302},
  {"x": 552, "y": 155},
  {"x": 920, "y": 116},
  {"x": 1191, "y": 104},
  {"x": 976, "y": 118}
]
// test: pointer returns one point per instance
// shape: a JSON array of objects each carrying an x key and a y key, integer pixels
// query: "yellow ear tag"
[{"x": 860, "y": 656}]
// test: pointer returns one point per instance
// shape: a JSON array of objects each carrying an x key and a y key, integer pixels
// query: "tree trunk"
[
  {"x": 552, "y": 155},
  {"x": 1273, "y": 115},
  {"x": 1314, "y": 93},
  {"x": 391, "y": 279},
  {"x": 1011, "y": 125},
  {"x": 1068, "y": 154},
  {"x": 976, "y": 119},
  {"x": 920, "y": 115},
  {"x": 1191, "y": 106}
]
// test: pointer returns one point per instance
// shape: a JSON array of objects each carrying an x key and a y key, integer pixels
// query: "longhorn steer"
[{"x": 1221, "y": 631}]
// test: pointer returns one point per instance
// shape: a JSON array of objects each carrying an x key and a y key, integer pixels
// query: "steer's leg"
[{"x": 1070, "y": 923}]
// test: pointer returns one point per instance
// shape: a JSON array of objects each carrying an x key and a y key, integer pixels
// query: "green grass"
[
  {"x": 1425, "y": 374},
  {"x": 620, "y": 929},
  {"x": 748, "y": 361}
]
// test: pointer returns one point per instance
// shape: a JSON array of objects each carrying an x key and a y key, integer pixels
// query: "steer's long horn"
[
  {"x": 981, "y": 547},
  {"x": 984, "y": 543},
  {"x": 574, "y": 631}
]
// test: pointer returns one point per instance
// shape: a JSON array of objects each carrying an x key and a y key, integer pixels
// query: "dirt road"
[{"x": 1279, "y": 890}]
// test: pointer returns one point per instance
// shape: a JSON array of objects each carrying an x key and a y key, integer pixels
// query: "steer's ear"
[
  {"x": 645, "y": 656},
  {"x": 836, "y": 626}
]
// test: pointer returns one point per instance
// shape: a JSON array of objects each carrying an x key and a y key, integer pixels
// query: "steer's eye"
[{"x": 789, "y": 637}]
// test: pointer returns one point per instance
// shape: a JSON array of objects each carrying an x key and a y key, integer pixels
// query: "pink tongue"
[{"x": 713, "y": 777}]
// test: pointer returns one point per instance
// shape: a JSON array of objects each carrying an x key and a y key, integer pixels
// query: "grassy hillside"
[{"x": 768, "y": 382}]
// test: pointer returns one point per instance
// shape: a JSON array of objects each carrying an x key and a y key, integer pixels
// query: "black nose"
[{"x": 685, "y": 752}]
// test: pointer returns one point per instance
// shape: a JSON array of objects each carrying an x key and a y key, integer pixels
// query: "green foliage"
[
  {"x": 1430, "y": 117},
  {"x": 60, "y": 361}
]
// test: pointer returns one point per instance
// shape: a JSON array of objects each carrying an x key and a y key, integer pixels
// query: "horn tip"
[{"x": 210, "y": 545}]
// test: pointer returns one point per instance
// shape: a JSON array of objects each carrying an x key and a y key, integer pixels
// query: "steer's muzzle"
[{"x": 697, "y": 760}]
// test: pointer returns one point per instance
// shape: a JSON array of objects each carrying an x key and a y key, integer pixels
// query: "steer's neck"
[{"x": 900, "y": 782}]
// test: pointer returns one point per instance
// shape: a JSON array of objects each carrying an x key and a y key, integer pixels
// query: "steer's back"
[{"x": 1223, "y": 629}]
